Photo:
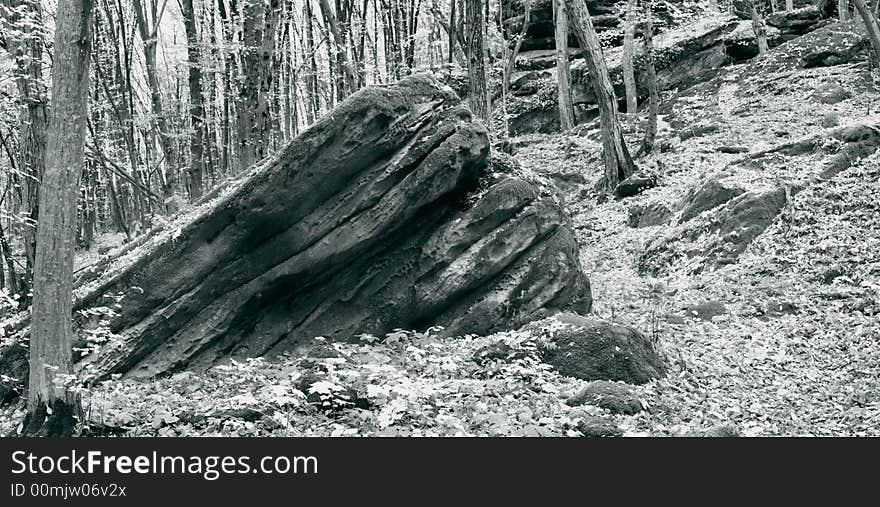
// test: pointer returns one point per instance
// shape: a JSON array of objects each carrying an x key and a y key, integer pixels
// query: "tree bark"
[
  {"x": 872, "y": 27},
  {"x": 618, "y": 162},
  {"x": 453, "y": 36},
  {"x": 253, "y": 111},
  {"x": 196, "y": 102},
  {"x": 629, "y": 79},
  {"x": 478, "y": 93},
  {"x": 843, "y": 9},
  {"x": 563, "y": 72},
  {"x": 52, "y": 409},
  {"x": 759, "y": 27},
  {"x": 653, "y": 88}
]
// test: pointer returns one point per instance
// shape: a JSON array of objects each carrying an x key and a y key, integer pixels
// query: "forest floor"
[{"x": 791, "y": 350}]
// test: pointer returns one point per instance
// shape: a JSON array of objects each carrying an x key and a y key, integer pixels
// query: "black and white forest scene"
[{"x": 440, "y": 218}]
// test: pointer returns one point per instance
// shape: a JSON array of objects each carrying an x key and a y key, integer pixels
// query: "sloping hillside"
[{"x": 753, "y": 266}]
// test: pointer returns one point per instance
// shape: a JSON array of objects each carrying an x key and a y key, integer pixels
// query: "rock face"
[
  {"x": 540, "y": 33},
  {"x": 716, "y": 239},
  {"x": 711, "y": 194},
  {"x": 380, "y": 216},
  {"x": 593, "y": 350},
  {"x": 683, "y": 57},
  {"x": 838, "y": 45}
]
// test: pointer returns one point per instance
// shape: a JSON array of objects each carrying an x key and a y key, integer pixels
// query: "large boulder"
[
  {"x": 595, "y": 350},
  {"x": 382, "y": 215}
]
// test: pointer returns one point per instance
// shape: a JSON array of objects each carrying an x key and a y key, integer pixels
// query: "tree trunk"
[
  {"x": 759, "y": 28},
  {"x": 872, "y": 27},
  {"x": 618, "y": 162},
  {"x": 313, "y": 105},
  {"x": 253, "y": 112},
  {"x": 653, "y": 88},
  {"x": 451, "y": 30},
  {"x": 149, "y": 36},
  {"x": 341, "y": 53},
  {"x": 563, "y": 72},
  {"x": 478, "y": 93},
  {"x": 789, "y": 5},
  {"x": 843, "y": 9},
  {"x": 511, "y": 60},
  {"x": 196, "y": 102},
  {"x": 52, "y": 409},
  {"x": 25, "y": 18},
  {"x": 629, "y": 79}
]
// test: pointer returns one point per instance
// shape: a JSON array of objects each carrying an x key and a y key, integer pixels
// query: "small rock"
[
  {"x": 706, "y": 310},
  {"x": 270, "y": 424},
  {"x": 698, "y": 131},
  {"x": 634, "y": 185},
  {"x": 676, "y": 320},
  {"x": 732, "y": 149},
  {"x": 721, "y": 431},
  {"x": 832, "y": 273},
  {"x": 597, "y": 426},
  {"x": 613, "y": 397},
  {"x": 780, "y": 308},
  {"x": 831, "y": 93},
  {"x": 192, "y": 418}
]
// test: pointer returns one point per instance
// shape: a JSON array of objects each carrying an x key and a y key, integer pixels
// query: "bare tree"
[
  {"x": 254, "y": 116},
  {"x": 618, "y": 162},
  {"x": 23, "y": 39},
  {"x": 148, "y": 17},
  {"x": 653, "y": 88},
  {"x": 196, "y": 101},
  {"x": 759, "y": 27},
  {"x": 563, "y": 72},
  {"x": 871, "y": 25},
  {"x": 629, "y": 79},
  {"x": 478, "y": 93},
  {"x": 52, "y": 408},
  {"x": 517, "y": 45}
]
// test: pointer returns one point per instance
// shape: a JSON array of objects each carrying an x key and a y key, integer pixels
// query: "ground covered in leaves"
[{"x": 785, "y": 341}]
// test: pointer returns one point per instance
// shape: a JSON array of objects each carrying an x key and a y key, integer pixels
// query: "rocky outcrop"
[
  {"x": 684, "y": 57},
  {"x": 806, "y": 16},
  {"x": 540, "y": 33},
  {"x": 713, "y": 192},
  {"x": 716, "y": 238},
  {"x": 382, "y": 215}
]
